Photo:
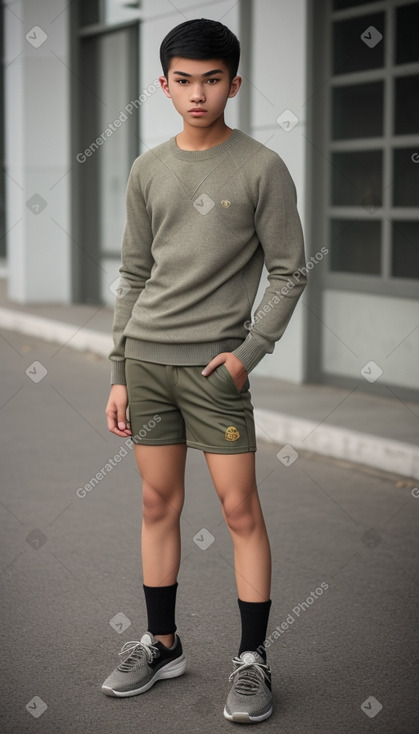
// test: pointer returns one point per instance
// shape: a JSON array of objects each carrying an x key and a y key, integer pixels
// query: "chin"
[{"x": 198, "y": 122}]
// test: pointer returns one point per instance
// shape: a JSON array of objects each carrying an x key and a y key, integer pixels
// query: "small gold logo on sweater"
[
  {"x": 225, "y": 203},
  {"x": 231, "y": 434}
]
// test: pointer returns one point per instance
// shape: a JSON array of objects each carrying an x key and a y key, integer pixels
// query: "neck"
[{"x": 201, "y": 138}]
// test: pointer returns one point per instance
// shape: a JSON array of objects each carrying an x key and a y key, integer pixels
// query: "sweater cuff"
[
  {"x": 250, "y": 352},
  {"x": 118, "y": 372}
]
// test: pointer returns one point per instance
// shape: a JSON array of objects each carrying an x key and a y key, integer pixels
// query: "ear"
[
  {"x": 235, "y": 86},
  {"x": 165, "y": 86}
]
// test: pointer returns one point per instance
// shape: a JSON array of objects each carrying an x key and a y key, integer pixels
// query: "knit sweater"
[{"x": 199, "y": 227}]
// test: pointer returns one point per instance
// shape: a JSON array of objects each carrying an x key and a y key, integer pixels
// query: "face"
[{"x": 199, "y": 89}]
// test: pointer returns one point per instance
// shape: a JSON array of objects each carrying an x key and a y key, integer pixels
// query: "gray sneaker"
[
  {"x": 250, "y": 698},
  {"x": 145, "y": 663}
]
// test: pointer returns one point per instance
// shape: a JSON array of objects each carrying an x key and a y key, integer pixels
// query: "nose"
[{"x": 197, "y": 93}]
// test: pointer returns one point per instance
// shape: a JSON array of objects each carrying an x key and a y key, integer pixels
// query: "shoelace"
[
  {"x": 135, "y": 650},
  {"x": 249, "y": 676}
]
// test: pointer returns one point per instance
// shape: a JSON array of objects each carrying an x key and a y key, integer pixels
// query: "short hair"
[{"x": 201, "y": 39}]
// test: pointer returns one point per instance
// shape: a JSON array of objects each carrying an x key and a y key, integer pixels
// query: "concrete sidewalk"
[
  {"x": 348, "y": 424},
  {"x": 343, "y": 625}
]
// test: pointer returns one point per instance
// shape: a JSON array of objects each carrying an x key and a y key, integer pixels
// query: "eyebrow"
[{"x": 207, "y": 73}]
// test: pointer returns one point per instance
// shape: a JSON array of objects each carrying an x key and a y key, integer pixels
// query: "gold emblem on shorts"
[
  {"x": 231, "y": 434},
  {"x": 225, "y": 203}
]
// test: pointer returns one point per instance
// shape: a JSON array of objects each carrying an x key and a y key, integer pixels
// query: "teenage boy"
[{"x": 205, "y": 210}]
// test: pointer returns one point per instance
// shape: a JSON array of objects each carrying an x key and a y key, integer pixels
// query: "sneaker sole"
[
  {"x": 242, "y": 717},
  {"x": 171, "y": 670}
]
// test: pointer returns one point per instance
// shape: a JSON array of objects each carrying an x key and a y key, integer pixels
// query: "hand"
[
  {"x": 233, "y": 365},
  {"x": 116, "y": 411}
]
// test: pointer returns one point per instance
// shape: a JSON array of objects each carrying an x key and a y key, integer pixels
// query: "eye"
[{"x": 212, "y": 80}]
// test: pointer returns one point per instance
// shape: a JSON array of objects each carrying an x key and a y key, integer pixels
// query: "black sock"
[
  {"x": 254, "y": 617},
  {"x": 160, "y": 602}
]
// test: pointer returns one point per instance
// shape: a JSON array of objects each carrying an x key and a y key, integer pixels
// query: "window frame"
[{"x": 384, "y": 283}]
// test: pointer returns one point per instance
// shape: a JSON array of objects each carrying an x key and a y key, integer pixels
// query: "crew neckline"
[{"x": 202, "y": 155}]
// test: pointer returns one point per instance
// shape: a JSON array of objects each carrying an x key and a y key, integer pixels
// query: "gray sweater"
[{"x": 199, "y": 227}]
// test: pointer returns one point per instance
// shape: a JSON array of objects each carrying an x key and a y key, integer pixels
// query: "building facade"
[{"x": 331, "y": 85}]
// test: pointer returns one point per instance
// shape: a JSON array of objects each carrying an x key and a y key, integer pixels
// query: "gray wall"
[{"x": 37, "y": 151}]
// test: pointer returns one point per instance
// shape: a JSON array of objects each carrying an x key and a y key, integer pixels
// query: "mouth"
[{"x": 197, "y": 111}]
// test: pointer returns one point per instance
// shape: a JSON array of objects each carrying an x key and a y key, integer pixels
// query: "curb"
[
  {"x": 69, "y": 335},
  {"x": 294, "y": 433},
  {"x": 339, "y": 443}
]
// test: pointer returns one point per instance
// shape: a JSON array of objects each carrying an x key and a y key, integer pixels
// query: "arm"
[
  {"x": 135, "y": 269},
  {"x": 136, "y": 266},
  {"x": 279, "y": 230}
]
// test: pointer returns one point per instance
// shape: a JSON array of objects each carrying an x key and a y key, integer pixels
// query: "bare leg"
[
  {"x": 162, "y": 469},
  {"x": 235, "y": 482}
]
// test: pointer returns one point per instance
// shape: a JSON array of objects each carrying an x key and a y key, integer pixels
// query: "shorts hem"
[
  {"x": 220, "y": 449},
  {"x": 158, "y": 442}
]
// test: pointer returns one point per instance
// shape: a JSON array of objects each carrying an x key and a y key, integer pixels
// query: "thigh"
[
  {"x": 162, "y": 469},
  {"x": 232, "y": 474},
  {"x": 234, "y": 479}
]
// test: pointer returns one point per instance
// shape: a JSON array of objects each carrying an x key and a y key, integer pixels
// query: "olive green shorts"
[{"x": 169, "y": 404}]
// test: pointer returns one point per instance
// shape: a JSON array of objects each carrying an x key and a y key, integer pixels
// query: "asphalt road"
[{"x": 344, "y": 541}]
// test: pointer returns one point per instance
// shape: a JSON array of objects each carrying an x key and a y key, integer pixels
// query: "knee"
[
  {"x": 156, "y": 506},
  {"x": 241, "y": 516}
]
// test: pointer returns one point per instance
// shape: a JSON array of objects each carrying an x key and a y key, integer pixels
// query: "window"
[
  {"x": 405, "y": 263},
  {"x": 349, "y": 107},
  {"x": 343, "y": 4},
  {"x": 359, "y": 246},
  {"x": 108, "y": 12},
  {"x": 106, "y": 85},
  {"x": 373, "y": 146},
  {"x": 349, "y": 52}
]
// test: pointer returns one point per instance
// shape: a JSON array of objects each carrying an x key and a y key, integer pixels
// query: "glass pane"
[
  {"x": 89, "y": 12},
  {"x": 406, "y": 176},
  {"x": 358, "y": 111},
  {"x": 343, "y": 4},
  {"x": 405, "y": 261},
  {"x": 406, "y": 110},
  {"x": 353, "y": 53},
  {"x": 357, "y": 178},
  {"x": 356, "y": 246},
  {"x": 407, "y": 44},
  {"x": 114, "y": 90}
]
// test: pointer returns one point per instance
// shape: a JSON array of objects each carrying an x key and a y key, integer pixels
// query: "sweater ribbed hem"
[
  {"x": 250, "y": 352},
  {"x": 186, "y": 355},
  {"x": 118, "y": 372}
]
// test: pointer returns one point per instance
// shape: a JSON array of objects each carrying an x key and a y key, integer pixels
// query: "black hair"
[{"x": 201, "y": 39}]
